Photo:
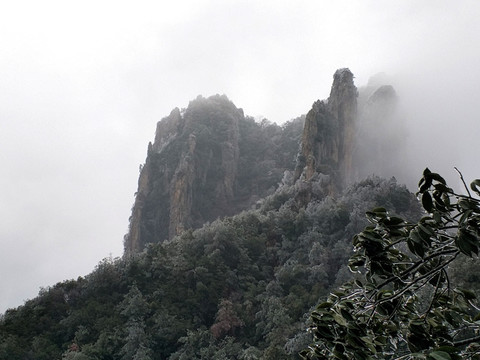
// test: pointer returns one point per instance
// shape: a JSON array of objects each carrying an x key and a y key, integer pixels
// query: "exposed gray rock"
[{"x": 328, "y": 136}]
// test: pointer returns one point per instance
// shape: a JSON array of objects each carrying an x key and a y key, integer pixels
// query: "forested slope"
[
  {"x": 239, "y": 228},
  {"x": 238, "y": 288}
]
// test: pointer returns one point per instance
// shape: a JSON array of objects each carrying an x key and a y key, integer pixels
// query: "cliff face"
[
  {"x": 328, "y": 136},
  {"x": 188, "y": 177},
  {"x": 207, "y": 161},
  {"x": 210, "y": 161},
  {"x": 353, "y": 134}
]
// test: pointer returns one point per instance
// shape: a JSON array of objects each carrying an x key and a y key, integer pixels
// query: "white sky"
[{"x": 83, "y": 83}]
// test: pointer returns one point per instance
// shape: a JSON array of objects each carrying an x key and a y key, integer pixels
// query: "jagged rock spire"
[
  {"x": 207, "y": 161},
  {"x": 328, "y": 136},
  {"x": 189, "y": 173}
]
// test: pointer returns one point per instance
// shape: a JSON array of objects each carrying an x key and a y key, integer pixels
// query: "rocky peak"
[
  {"x": 167, "y": 129},
  {"x": 210, "y": 161},
  {"x": 189, "y": 172},
  {"x": 207, "y": 161},
  {"x": 328, "y": 136}
]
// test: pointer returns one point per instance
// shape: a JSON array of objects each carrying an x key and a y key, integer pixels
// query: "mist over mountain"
[
  {"x": 83, "y": 85},
  {"x": 239, "y": 227},
  {"x": 209, "y": 160}
]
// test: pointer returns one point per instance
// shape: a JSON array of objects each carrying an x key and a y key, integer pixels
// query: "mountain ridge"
[
  {"x": 204, "y": 165},
  {"x": 232, "y": 238}
]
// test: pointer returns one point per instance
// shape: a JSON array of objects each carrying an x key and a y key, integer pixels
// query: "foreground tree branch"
[{"x": 402, "y": 305}]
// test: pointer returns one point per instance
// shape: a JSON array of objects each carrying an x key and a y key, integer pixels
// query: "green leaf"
[
  {"x": 440, "y": 355},
  {"x": 442, "y": 188},
  {"x": 324, "y": 332},
  {"x": 467, "y": 204},
  {"x": 438, "y": 178},
  {"x": 425, "y": 230},
  {"x": 346, "y": 315},
  {"x": 377, "y": 214},
  {"x": 325, "y": 305},
  {"x": 339, "y": 351},
  {"x": 425, "y": 182},
  {"x": 464, "y": 216},
  {"x": 439, "y": 203},
  {"x": 427, "y": 202},
  {"x": 355, "y": 240},
  {"x": 358, "y": 283},
  {"x": 393, "y": 220},
  {"x": 415, "y": 247},
  {"x": 474, "y": 185},
  {"x": 468, "y": 294},
  {"x": 353, "y": 264},
  {"x": 370, "y": 235},
  {"x": 339, "y": 319},
  {"x": 467, "y": 243},
  {"x": 448, "y": 349}
]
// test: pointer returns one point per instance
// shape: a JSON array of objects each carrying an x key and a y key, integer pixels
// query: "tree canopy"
[
  {"x": 241, "y": 288},
  {"x": 402, "y": 304}
]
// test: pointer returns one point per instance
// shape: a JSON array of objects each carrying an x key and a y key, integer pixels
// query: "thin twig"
[
  {"x": 434, "y": 297},
  {"x": 427, "y": 276},
  {"x": 466, "y": 341},
  {"x": 414, "y": 266},
  {"x": 463, "y": 181}
]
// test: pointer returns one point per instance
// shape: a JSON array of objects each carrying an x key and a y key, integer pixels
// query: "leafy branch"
[{"x": 402, "y": 305}]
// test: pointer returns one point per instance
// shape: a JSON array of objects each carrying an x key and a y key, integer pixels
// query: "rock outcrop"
[
  {"x": 328, "y": 136},
  {"x": 207, "y": 161},
  {"x": 210, "y": 161},
  {"x": 188, "y": 177},
  {"x": 351, "y": 135}
]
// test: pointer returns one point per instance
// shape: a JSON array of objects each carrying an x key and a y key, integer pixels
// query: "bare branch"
[
  {"x": 463, "y": 181},
  {"x": 467, "y": 341},
  {"x": 416, "y": 265}
]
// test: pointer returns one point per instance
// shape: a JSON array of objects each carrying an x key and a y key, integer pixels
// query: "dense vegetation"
[
  {"x": 405, "y": 304},
  {"x": 248, "y": 285},
  {"x": 239, "y": 288},
  {"x": 266, "y": 151}
]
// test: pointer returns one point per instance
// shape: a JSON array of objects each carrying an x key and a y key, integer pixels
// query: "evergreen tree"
[{"x": 404, "y": 304}]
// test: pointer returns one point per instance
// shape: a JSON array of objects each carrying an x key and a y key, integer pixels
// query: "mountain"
[
  {"x": 210, "y": 161},
  {"x": 238, "y": 229},
  {"x": 207, "y": 161},
  {"x": 328, "y": 136}
]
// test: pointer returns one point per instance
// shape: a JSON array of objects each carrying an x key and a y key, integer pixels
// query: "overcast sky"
[{"x": 83, "y": 83}]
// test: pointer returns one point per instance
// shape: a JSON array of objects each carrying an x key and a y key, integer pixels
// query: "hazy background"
[{"x": 82, "y": 85}]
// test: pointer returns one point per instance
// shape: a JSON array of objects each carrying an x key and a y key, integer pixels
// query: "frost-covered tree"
[
  {"x": 135, "y": 308},
  {"x": 403, "y": 304}
]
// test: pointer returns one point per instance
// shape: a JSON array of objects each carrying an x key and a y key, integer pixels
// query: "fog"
[{"x": 82, "y": 85}]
